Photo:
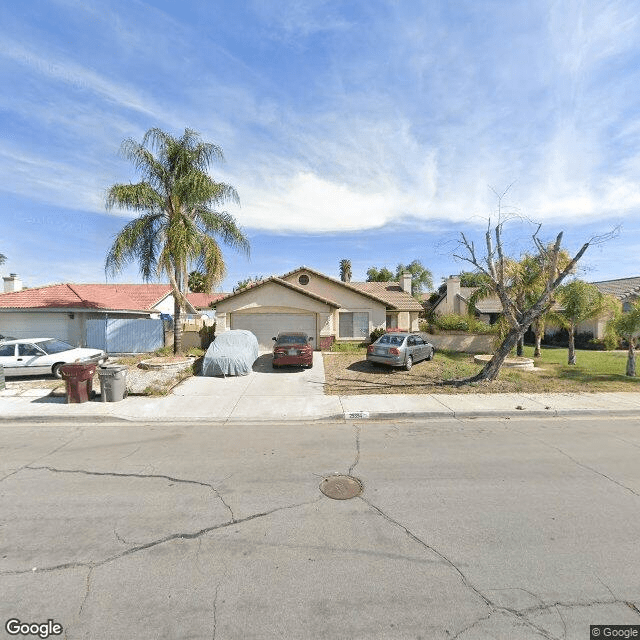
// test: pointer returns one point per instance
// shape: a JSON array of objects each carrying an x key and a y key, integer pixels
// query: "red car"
[{"x": 292, "y": 348}]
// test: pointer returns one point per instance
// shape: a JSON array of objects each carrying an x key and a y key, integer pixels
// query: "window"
[
  {"x": 28, "y": 350},
  {"x": 303, "y": 279},
  {"x": 7, "y": 350},
  {"x": 392, "y": 320},
  {"x": 354, "y": 325}
]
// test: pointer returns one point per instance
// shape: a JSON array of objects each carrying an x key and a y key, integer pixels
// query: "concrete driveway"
[{"x": 264, "y": 388}]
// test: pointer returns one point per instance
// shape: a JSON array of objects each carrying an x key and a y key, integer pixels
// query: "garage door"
[
  {"x": 267, "y": 325},
  {"x": 34, "y": 325}
]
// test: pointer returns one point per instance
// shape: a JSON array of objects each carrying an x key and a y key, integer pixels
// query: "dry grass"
[{"x": 351, "y": 374}]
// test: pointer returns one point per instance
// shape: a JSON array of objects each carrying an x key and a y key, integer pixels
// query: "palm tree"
[
  {"x": 2, "y": 259},
  {"x": 177, "y": 223},
  {"x": 580, "y": 301},
  {"x": 627, "y": 325},
  {"x": 345, "y": 270}
]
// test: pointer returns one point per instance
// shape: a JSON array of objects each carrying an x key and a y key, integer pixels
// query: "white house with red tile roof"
[
  {"x": 61, "y": 310},
  {"x": 325, "y": 308}
]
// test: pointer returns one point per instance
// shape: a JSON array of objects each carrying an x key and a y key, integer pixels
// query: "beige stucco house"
[
  {"x": 325, "y": 308},
  {"x": 456, "y": 300}
]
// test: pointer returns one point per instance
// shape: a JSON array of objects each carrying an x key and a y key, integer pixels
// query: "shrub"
[
  {"x": 456, "y": 322},
  {"x": 376, "y": 333}
]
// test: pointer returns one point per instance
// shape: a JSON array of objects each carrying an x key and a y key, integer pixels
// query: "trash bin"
[
  {"x": 113, "y": 383},
  {"x": 2, "y": 383},
  {"x": 78, "y": 378}
]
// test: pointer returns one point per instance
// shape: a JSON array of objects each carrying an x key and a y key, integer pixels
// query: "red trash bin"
[{"x": 78, "y": 378}]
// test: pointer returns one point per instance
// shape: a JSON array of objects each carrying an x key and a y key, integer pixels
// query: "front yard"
[{"x": 351, "y": 374}]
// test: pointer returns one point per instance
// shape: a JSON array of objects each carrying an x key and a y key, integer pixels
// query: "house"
[
  {"x": 62, "y": 310},
  {"x": 325, "y": 308},
  {"x": 455, "y": 299}
]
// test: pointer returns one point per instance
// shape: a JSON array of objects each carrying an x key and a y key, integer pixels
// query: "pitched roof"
[
  {"x": 204, "y": 300},
  {"x": 390, "y": 293},
  {"x": 284, "y": 283},
  {"x": 620, "y": 288},
  {"x": 116, "y": 297}
]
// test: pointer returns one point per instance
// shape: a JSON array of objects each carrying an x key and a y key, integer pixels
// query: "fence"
[{"x": 126, "y": 335}]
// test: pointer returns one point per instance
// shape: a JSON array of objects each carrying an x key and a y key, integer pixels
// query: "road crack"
[
  {"x": 582, "y": 465},
  {"x": 138, "y": 475},
  {"x": 185, "y": 535},
  {"x": 493, "y": 607},
  {"x": 358, "y": 430}
]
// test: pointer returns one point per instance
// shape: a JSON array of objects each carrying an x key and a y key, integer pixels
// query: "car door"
[
  {"x": 421, "y": 348},
  {"x": 411, "y": 348},
  {"x": 30, "y": 360},
  {"x": 8, "y": 358}
]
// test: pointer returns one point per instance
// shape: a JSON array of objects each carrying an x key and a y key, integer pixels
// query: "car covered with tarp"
[{"x": 232, "y": 353}]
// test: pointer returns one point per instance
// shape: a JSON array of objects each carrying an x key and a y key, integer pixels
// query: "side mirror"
[
  {"x": 310, "y": 338},
  {"x": 274, "y": 338}
]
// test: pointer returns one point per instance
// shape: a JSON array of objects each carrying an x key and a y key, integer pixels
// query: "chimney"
[
  {"x": 453, "y": 290},
  {"x": 406, "y": 282},
  {"x": 12, "y": 283}
]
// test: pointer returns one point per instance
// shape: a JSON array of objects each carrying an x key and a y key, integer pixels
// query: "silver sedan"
[{"x": 400, "y": 350}]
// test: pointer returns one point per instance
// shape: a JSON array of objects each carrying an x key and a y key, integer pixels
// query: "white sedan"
[{"x": 37, "y": 356}]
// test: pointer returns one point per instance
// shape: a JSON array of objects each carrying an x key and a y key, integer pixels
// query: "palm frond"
[
  {"x": 223, "y": 225},
  {"x": 137, "y": 197}
]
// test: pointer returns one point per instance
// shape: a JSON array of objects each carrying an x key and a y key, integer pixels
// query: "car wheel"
[
  {"x": 408, "y": 364},
  {"x": 55, "y": 370},
  {"x": 275, "y": 366},
  {"x": 430, "y": 356}
]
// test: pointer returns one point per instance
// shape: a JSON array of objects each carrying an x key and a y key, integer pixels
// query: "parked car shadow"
[
  {"x": 364, "y": 366},
  {"x": 263, "y": 365}
]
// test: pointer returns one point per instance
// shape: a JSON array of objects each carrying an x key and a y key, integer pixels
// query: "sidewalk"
[{"x": 191, "y": 401}]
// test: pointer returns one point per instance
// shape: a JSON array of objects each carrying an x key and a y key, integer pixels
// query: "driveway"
[{"x": 264, "y": 388}]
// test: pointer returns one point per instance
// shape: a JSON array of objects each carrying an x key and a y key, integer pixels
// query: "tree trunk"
[
  {"x": 537, "y": 331},
  {"x": 572, "y": 346},
  {"x": 491, "y": 370},
  {"x": 631, "y": 359},
  {"x": 177, "y": 327},
  {"x": 520, "y": 346}
]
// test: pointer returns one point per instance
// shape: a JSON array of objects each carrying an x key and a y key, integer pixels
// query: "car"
[
  {"x": 400, "y": 350},
  {"x": 292, "y": 348},
  {"x": 42, "y": 356},
  {"x": 232, "y": 353}
]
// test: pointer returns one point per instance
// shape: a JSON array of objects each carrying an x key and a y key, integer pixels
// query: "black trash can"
[
  {"x": 113, "y": 383},
  {"x": 78, "y": 379}
]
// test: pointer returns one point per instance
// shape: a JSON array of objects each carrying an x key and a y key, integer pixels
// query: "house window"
[
  {"x": 303, "y": 279},
  {"x": 392, "y": 320},
  {"x": 354, "y": 325}
]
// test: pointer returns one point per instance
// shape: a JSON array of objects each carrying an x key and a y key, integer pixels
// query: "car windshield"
[
  {"x": 397, "y": 340},
  {"x": 54, "y": 346},
  {"x": 284, "y": 339}
]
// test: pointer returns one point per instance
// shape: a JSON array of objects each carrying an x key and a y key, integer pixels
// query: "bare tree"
[{"x": 519, "y": 311}]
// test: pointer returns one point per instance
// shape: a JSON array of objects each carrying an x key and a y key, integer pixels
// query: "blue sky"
[{"x": 370, "y": 130}]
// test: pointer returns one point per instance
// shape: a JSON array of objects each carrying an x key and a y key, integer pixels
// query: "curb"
[{"x": 335, "y": 418}]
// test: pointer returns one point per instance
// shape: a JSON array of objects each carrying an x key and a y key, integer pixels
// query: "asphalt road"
[{"x": 469, "y": 529}]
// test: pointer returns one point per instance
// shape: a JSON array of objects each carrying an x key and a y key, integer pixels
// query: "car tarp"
[{"x": 232, "y": 353}]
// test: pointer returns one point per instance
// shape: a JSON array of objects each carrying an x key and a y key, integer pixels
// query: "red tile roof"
[
  {"x": 120, "y": 297},
  {"x": 204, "y": 300}
]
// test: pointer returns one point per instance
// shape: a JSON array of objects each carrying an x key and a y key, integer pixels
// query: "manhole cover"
[{"x": 341, "y": 487}]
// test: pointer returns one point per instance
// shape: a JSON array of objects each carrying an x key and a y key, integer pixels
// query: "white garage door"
[
  {"x": 267, "y": 325},
  {"x": 34, "y": 325}
]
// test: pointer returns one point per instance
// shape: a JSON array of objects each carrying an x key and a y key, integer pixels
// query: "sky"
[{"x": 375, "y": 130}]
